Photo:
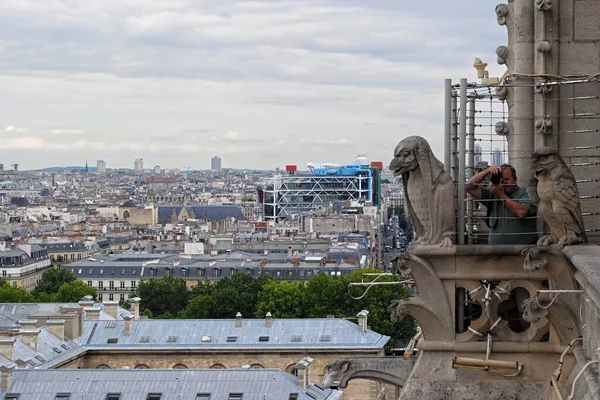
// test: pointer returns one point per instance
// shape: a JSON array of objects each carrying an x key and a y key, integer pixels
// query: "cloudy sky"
[{"x": 259, "y": 83}]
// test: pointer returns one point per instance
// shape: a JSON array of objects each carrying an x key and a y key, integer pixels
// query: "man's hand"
[
  {"x": 498, "y": 190},
  {"x": 494, "y": 170}
]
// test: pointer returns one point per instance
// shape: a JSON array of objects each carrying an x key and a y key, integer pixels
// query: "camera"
[{"x": 496, "y": 179}]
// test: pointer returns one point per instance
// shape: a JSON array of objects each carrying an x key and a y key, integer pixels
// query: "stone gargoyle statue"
[
  {"x": 554, "y": 191},
  {"x": 390, "y": 370},
  {"x": 428, "y": 190}
]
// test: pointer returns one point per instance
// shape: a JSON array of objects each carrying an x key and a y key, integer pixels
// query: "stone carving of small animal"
[
  {"x": 428, "y": 190},
  {"x": 555, "y": 193}
]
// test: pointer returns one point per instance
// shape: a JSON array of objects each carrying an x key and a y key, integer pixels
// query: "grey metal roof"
[
  {"x": 51, "y": 350},
  {"x": 255, "y": 384},
  {"x": 21, "y": 311},
  {"x": 201, "y": 212},
  {"x": 314, "y": 333}
]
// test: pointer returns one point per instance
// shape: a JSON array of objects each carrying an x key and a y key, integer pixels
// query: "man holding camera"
[{"x": 511, "y": 214}]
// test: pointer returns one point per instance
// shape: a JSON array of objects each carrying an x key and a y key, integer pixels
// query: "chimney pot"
[
  {"x": 128, "y": 324},
  {"x": 7, "y": 347},
  {"x": 92, "y": 313},
  {"x": 30, "y": 337},
  {"x": 111, "y": 308},
  {"x": 6, "y": 375},
  {"x": 238, "y": 320},
  {"x": 135, "y": 307},
  {"x": 269, "y": 320},
  {"x": 57, "y": 327},
  {"x": 362, "y": 320}
]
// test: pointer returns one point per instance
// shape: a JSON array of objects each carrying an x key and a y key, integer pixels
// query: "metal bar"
[
  {"x": 470, "y": 168},
  {"x": 376, "y": 274},
  {"x": 560, "y": 291},
  {"x": 447, "y": 124},
  {"x": 462, "y": 136},
  {"x": 379, "y": 283},
  {"x": 453, "y": 135}
]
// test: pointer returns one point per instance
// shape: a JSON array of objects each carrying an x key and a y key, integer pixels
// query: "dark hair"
[{"x": 512, "y": 169}]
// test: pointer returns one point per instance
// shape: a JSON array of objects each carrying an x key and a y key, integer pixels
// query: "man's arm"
[
  {"x": 473, "y": 184},
  {"x": 520, "y": 210}
]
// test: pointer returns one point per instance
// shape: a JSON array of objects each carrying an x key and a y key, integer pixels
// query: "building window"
[
  {"x": 3, "y": 272},
  {"x": 78, "y": 257},
  {"x": 232, "y": 272},
  {"x": 100, "y": 297},
  {"x": 152, "y": 272},
  {"x": 216, "y": 272},
  {"x": 100, "y": 285},
  {"x": 122, "y": 285},
  {"x": 200, "y": 271},
  {"x": 133, "y": 285},
  {"x": 62, "y": 396},
  {"x": 154, "y": 396},
  {"x": 111, "y": 285},
  {"x": 72, "y": 257},
  {"x": 122, "y": 297},
  {"x": 168, "y": 272},
  {"x": 113, "y": 396},
  {"x": 111, "y": 297},
  {"x": 90, "y": 283},
  {"x": 184, "y": 271}
]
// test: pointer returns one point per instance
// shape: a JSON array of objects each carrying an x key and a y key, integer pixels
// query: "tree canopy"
[{"x": 52, "y": 280}]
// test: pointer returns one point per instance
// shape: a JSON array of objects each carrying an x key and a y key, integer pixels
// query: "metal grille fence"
[{"x": 479, "y": 121}]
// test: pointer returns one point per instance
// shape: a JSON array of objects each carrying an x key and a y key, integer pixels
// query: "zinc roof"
[
  {"x": 254, "y": 384},
  {"x": 222, "y": 334}
]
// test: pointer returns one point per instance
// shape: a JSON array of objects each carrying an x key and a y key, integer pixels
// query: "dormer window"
[
  {"x": 168, "y": 272},
  {"x": 152, "y": 272}
]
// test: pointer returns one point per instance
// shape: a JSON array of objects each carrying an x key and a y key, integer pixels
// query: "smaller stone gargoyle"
[
  {"x": 555, "y": 193},
  {"x": 428, "y": 190},
  {"x": 390, "y": 370}
]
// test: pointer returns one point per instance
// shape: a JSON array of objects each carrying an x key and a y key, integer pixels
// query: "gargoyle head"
[{"x": 336, "y": 371}]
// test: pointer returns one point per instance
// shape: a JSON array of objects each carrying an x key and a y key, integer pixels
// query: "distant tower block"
[
  {"x": 100, "y": 166},
  {"x": 497, "y": 158},
  {"x": 361, "y": 159},
  {"x": 477, "y": 154},
  {"x": 138, "y": 165},
  {"x": 215, "y": 163},
  {"x": 157, "y": 169}
]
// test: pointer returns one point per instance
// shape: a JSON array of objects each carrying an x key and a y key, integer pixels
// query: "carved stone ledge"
[
  {"x": 542, "y": 88},
  {"x": 501, "y": 13},
  {"x": 502, "y": 128},
  {"x": 543, "y": 47},
  {"x": 543, "y": 125},
  {"x": 502, "y": 52},
  {"x": 435, "y": 324},
  {"x": 543, "y": 5},
  {"x": 501, "y": 92}
]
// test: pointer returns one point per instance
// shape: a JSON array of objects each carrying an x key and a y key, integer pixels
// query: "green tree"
[
  {"x": 163, "y": 295},
  {"x": 238, "y": 293},
  {"x": 13, "y": 294},
  {"x": 325, "y": 295},
  {"x": 200, "y": 307},
  {"x": 72, "y": 292},
  {"x": 52, "y": 280},
  {"x": 281, "y": 299}
]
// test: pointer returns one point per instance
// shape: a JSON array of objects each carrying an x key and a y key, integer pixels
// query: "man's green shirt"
[{"x": 505, "y": 226}]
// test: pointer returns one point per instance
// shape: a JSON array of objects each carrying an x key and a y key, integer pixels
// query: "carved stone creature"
[
  {"x": 428, "y": 189},
  {"x": 556, "y": 195},
  {"x": 397, "y": 310},
  {"x": 390, "y": 370}
]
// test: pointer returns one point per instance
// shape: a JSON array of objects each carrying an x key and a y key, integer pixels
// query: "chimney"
[
  {"x": 128, "y": 323},
  {"x": 302, "y": 367},
  {"x": 30, "y": 337},
  {"x": 362, "y": 320},
  {"x": 57, "y": 327},
  {"x": 6, "y": 375},
  {"x": 73, "y": 316},
  {"x": 135, "y": 307},
  {"x": 269, "y": 320},
  {"x": 85, "y": 302},
  {"x": 7, "y": 347},
  {"x": 93, "y": 313},
  {"x": 238, "y": 320},
  {"x": 290, "y": 253},
  {"x": 266, "y": 251},
  {"x": 176, "y": 262},
  {"x": 28, "y": 324},
  {"x": 111, "y": 308}
]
